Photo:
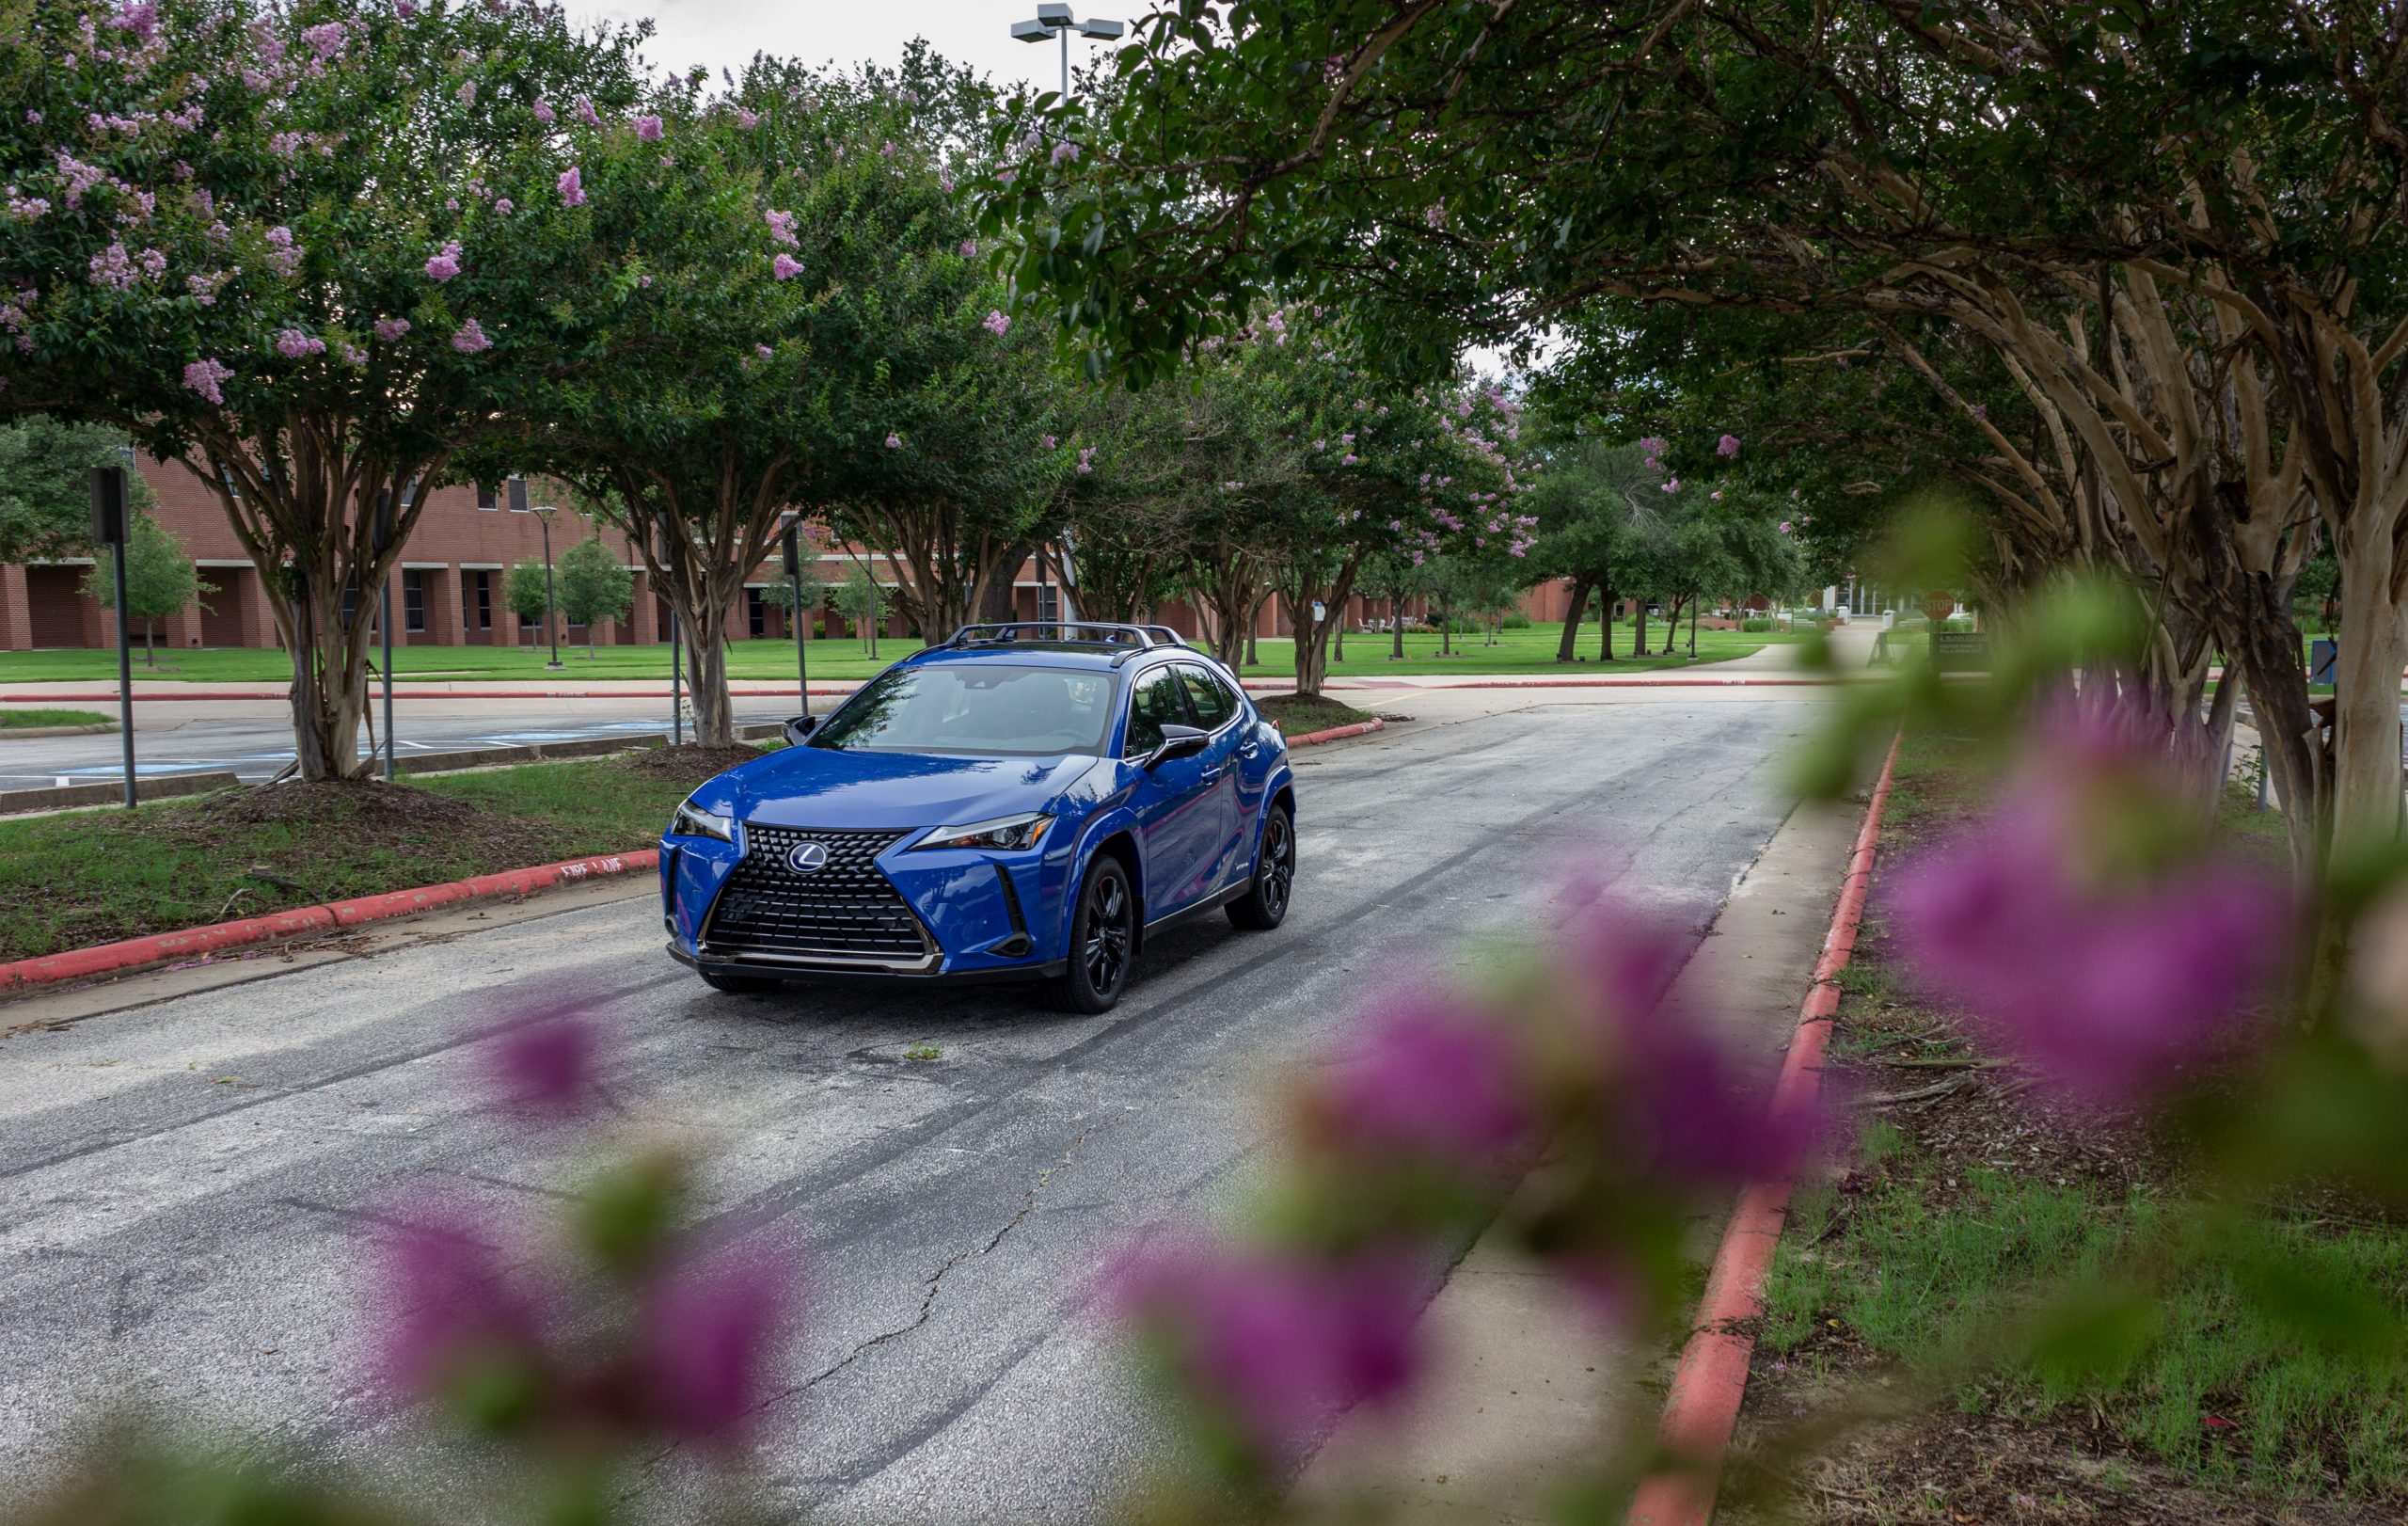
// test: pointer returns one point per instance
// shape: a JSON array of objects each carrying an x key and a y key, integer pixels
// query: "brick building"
[{"x": 450, "y": 591}]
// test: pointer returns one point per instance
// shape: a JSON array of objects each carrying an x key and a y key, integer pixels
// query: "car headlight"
[
  {"x": 691, "y": 821},
  {"x": 1004, "y": 835}
]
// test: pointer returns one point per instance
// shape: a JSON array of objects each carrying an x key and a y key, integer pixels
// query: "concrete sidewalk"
[{"x": 1529, "y": 1394}]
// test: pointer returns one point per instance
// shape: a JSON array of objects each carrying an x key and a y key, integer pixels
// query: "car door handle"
[{"x": 1211, "y": 774}]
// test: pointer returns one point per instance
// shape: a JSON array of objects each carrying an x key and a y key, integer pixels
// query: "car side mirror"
[
  {"x": 800, "y": 728},
  {"x": 1177, "y": 741}
]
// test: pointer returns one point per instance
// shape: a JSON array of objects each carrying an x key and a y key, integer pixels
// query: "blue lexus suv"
[{"x": 1021, "y": 802}]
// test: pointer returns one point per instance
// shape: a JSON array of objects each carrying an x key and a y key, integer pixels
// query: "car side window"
[
  {"x": 1152, "y": 704},
  {"x": 1210, "y": 698}
]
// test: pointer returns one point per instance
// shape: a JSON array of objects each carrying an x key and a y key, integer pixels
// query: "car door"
[
  {"x": 1216, "y": 708},
  {"x": 1174, "y": 826}
]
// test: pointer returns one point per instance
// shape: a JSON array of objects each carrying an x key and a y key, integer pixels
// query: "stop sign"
[{"x": 1938, "y": 607}]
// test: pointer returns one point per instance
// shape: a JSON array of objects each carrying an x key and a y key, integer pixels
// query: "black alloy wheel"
[
  {"x": 1264, "y": 905},
  {"x": 1103, "y": 939}
]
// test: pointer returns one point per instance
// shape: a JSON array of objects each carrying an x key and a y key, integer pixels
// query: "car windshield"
[{"x": 975, "y": 707}]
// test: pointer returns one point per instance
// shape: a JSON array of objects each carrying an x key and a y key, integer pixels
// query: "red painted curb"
[
  {"x": 1701, "y": 1409},
  {"x": 1360, "y": 728},
  {"x": 163, "y": 947}
]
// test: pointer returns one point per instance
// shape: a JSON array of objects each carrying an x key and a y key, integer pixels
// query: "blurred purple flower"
[
  {"x": 648, "y": 129},
  {"x": 1727, "y": 446},
  {"x": 2085, "y": 923},
  {"x": 1431, "y": 1081},
  {"x": 784, "y": 266},
  {"x": 205, "y": 376},
  {"x": 470, "y": 338},
  {"x": 1277, "y": 1343},
  {"x": 894, "y": 442},
  {"x": 547, "y": 1065},
  {"x": 389, "y": 329},
  {"x": 995, "y": 323},
  {"x": 709, "y": 1336},
  {"x": 2105, "y": 989},
  {"x": 544, "y": 111},
  {"x": 445, "y": 1297},
  {"x": 445, "y": 264},
  {"x": 572, "y": 187}
]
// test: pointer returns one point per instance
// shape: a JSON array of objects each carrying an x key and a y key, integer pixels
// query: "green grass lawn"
[
  {"x": 89, "y": 877},
  {"x": 1528, "y": 650},
  {"x": 13, "y": 719}
]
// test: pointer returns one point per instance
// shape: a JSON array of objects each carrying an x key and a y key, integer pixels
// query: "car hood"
[{"x": 816, "y": 787}]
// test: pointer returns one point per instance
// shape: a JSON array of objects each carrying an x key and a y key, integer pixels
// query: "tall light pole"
[
  {"x": 543, "y": 514},
  {"x": 1054, "y": 20}
]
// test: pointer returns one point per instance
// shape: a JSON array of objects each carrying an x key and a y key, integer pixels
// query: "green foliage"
[
  {"x": 159, "y": 580},
  {"x": 593, "y": 587},
  {"x": 527, "y": 591},
  {"x": 45, "y": 484}
]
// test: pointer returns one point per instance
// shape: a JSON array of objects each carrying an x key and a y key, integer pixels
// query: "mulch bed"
[
  {"x": 690, "y": 764},
  {"x": 361, "y": 815}
]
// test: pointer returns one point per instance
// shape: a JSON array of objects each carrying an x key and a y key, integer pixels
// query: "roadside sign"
[
  {"x": 1960, "y": 651},
  {"x": 2324, "y": 655}
]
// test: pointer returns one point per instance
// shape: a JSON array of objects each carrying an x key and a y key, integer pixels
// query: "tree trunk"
[
  {"x": 2366, "y": 743},
  {"x": 1694, "y": 604},
  {"x": 1565, "y": 648},
  {"x": 1606, "y": 628},
  {"x": 1253, "y": 619},
  {"x": 704, "y": 623},
  {"x": 1639, "y": 646},
  {"x": 149, "y": 643},
  {"x": 1446, "y": 624},
  {"x": 1396, "y": 627}
]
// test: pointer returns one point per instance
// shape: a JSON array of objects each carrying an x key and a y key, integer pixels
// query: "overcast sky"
[{"x": 976, "y": 32}]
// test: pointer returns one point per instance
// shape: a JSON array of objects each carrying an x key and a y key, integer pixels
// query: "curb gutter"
[
  {"x": 1702, "y": 1407},
  {"x": 166, "y": 947},
  {"x": 163, "y": 947}
]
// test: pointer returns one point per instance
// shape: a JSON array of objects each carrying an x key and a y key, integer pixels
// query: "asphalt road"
[
  {"x": 187, "y": 1190},
  {"x": 255, "y": 746}
]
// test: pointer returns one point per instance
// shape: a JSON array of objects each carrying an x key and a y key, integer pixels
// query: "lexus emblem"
[{"x": 807, "y": 857}]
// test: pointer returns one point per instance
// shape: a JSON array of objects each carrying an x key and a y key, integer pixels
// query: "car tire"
[
  {"x": 741, "y": 985},
  {"x": 1264, "y": 905},
  {"x": 1103, "y": 939}
]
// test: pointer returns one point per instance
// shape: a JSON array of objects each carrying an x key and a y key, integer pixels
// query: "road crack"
[{"x": 935, "y": 1282}]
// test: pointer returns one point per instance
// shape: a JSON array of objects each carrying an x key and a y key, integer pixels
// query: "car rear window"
[{"x": 975, "y": 709}]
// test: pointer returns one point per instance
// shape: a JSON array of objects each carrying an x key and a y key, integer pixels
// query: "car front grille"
[{"x": 843, "y": 912}]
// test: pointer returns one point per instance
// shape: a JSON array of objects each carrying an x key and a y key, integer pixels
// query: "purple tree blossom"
[
  {"x": 293, "y": 344},
  {"x": 969, "y": 247},
  {"x": 389, "y": 329},
  {"x": 1431, "y": 1080},
  {"x": 546, "y": 1066},
  {"x": 996, "y": 323},
  {"x": 544, "y": 111},
  {"x": 586, "y": 114},
  {"x": 450, "y": 1300},
  {"x": 648, "y": 129},
  {"x": 894, "y": 442},
  {"x": 785, "y": 267},
  {"x": 470, "y": 338},
  {"x": 781, "y": 228},
  {"x": 2155, "y": 952},
  {"x": 1275, "y": 1343},
  {"x": 746, "y": 119},
  {"x": 572, "y": 187},
  {"x": 710, "y": 1334},
  {"x": 1727, "y": 446},
  {"x": 442, "y": 266},
  {"x": 204, "y": 376}
]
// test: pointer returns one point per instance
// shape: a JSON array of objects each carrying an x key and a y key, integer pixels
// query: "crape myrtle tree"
[
  {"x": 277, "y": 245},
  {"x": 1126, "y": 500},
  {"x": 2186, "y": 270},
  {"x": 800, "y": 324}
]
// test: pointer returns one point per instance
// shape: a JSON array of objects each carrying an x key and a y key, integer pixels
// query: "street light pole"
[
  {"x": 1054, "y": 22},
  {"x": 543, "y": 514},
  {"x": 801, "y": 639},
  {"x": 384, "y": 625},
  {"x": 110, "y": 526}
]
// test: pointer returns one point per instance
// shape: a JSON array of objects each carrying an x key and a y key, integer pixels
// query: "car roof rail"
[{"x": 1134, "y": 639}]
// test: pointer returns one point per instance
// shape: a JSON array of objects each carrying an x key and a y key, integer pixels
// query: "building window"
[
  {"x": 756, "y": 614},
  {"x": 488, "y": 495},
  {"x": 414, "y": 600},
  {"x": 1049, "y": 602},
  {"x": 485, "y": 601}
]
